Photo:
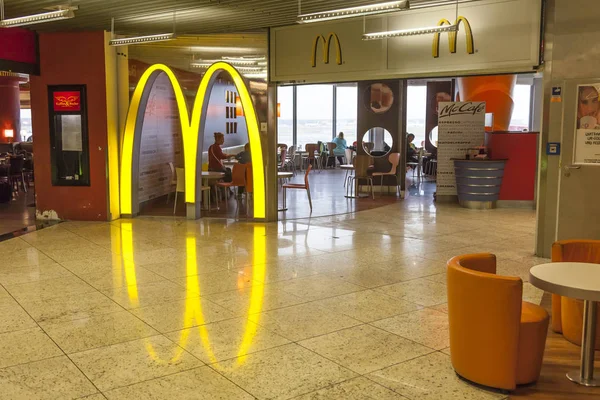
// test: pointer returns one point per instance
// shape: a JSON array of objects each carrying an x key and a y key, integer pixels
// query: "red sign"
[{"x": 67, "y": 101}]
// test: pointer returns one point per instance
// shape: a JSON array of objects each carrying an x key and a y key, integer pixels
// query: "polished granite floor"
[{"x": 344, "y": 307}]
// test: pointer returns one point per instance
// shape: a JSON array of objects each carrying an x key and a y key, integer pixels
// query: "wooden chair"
[
  {"x": 16, "y": 173},
  {"x": 311, "y": 155},
  {"x": 349, "y": 165},
  {"x": 238, "y": 179},
  {"x": 361, "y": 168},
  {"x": 249, "y": 187},
  {"x": 305, "y": 186},
  {"x": 394, "y": 159},
  {"x": 173, "y": 181},
  {"x": 178, "y": 185},
  {"x": 330, "y": 147}
]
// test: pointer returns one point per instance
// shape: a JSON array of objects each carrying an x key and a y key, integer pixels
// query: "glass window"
[
  {"x": 346, "y": 110},
  {"x": 26, "y": 130},
  {"x": 521, "y": 111},
  {"x": 416, "y": 112},
  {"x": 315, "y": 114},
  {"x": 285, "y": 121}
]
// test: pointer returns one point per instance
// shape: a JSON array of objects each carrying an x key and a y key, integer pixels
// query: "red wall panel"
[
  {"x": 17, "y": 44},
  {"x": 71, "y": 58}
]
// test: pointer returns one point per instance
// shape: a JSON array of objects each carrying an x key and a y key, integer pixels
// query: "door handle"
[{"x": 568, "y": 167}]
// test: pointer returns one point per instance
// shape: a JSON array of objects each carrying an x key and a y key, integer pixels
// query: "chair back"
[
  {"x": 292, "y": 152},
  {"x": 349, "y": 153},
  {"x": 310, "y": 150},
  {"x": 330, "y": 147},
  {"x": 238, "y": 175},
  {"x": 484, "y": 313},
  {"x": 173, "y": 173},
  {"x": 180, "y": 172},
  {"x": 306, "y": 176},
  {"x": 283, "y": 156},
  {"x": 204, "y": 166},
  {"x": 361, "y": 165},
  {"x": 16, "y": 165},
  {"x": 394, "y": 159},
  {"x": 249, "y": 179}
]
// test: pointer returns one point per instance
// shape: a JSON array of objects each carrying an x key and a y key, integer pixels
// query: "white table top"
[
  {"x": 212, "y": 174},
  {"x": 570, "y": 279},
  {"x": 347, "y": 166},
  {"x": 285, "y": 174}
]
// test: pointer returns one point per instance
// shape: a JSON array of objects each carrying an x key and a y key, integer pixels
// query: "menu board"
[
  {"x": 461, "y": 126},
  {"x": 587, "y": 137}
]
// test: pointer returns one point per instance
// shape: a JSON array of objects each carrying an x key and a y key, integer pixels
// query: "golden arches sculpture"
[
  {"x": 191, "y": 127},
  {"x": 453, "y": 37}
]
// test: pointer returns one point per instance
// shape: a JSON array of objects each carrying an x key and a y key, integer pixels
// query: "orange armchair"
[
  {"x": 496, "y": 339},
  {"x": 567, "y": 313}
]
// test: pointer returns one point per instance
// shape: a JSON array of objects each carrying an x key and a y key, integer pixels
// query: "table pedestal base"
[{"x": 585, "y": 376}]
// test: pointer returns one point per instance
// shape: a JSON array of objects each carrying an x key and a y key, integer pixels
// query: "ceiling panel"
[{"x": 193, "y": 16}]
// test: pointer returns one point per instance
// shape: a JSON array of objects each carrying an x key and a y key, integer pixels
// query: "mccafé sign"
[
  {"x": 326, "y": 48},
  {"x": 67, "y": 101}
]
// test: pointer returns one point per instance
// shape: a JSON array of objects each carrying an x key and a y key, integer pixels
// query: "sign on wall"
[
  {"x": 501, "y": 36},
  {"x": 587, "y": 136},
  {"x": 67, "y": 101},
  {"x": 461, "y": 126}
]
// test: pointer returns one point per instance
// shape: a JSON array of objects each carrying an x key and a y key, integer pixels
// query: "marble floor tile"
[
  {"x": 179, "y": 268},
  {"x": 28, "y": 257},
  {"x": 216, "y": 282},
  {"x": 75, "y": 252},
  {"x": 427, "y": 327},
  {"x": 420, "y": 291},
  {"x": 183, "y": 386},
  {"x": 108, "y": 263},
  {"x": 353, "y": 389},
  {"x": 302, "y": 321},
  {"x": 367, "y": 305},
  {"x": 104, "y": 280},
  {"x": 364, "y": 349},
  {"x": 13, "y": 317},
  {"x": 226, "y": 340},
  {"x": 285, "y": 372},
  {"x": 260, "y": 297},
  {"x": 441, "y": 307},
  {"x": 10, "y": 275},
  {"x": 54, "y": 378},
  {"x": 180, "y": 314},
  {"x": 136, "y": 296},
  {"x": 70, "y": 307},
  {"x": 48, "y": 289},
  {"x": 97, "y": 331},
  {"x": 133, "y": 362},
  {"x": 24, "y": 346},
  {"x": 317, "y": 287},
  {"x": 430, "y": 377},
  {"x": 532, "y": 294}
]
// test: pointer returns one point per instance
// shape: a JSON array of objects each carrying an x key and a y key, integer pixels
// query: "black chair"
[{"x": 16, "y": 173}]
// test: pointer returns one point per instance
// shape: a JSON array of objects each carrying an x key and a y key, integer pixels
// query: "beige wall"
[{"x": 572, "y": 42}]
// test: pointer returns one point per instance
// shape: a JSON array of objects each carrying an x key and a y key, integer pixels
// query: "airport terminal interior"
[{"x": 342, "y": 199}]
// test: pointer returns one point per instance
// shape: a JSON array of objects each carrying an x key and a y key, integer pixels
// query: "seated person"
[
  {"x": 411, "y": 149},
  {"x": 244, "y": 157},
  {"x": 216, "y": 155},
  {"x": 340, "y": 147}
]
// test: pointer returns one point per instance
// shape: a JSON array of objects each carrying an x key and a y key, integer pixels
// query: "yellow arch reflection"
[
  {"x": 190, "y": 128},
  {"x": 193, "y": 305}
]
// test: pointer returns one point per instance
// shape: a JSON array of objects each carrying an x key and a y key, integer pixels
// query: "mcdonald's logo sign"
[
  {"x": 191, "y": 127},
  {"x": 453, "y": 37},
  {"x": 327, "y": 48}
]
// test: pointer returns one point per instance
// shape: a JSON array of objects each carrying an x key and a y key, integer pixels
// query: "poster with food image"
[{"x": 587, "y": 137}]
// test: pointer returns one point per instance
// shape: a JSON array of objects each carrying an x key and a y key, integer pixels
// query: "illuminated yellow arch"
[
  {"x": 453, "y": 37},
  {"x": 191, "y": 131}
]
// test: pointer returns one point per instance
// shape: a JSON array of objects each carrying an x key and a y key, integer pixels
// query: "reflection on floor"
[
  {"x": 327, "y": 191},
  {"x": 344, "y": 307},
  {"x": 18, "y": 214}
]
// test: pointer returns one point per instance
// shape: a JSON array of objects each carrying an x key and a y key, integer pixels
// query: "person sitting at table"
[
  {"x": 244, "y": 157},
  {"x": 216, "y": 155},
  {"x": 340, "y": 147},
  {"x": 411, "y": 149}
]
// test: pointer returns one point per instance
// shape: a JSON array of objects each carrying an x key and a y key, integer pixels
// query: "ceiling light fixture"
[
  {"x": 241, "y": 68},
  {"x": 245, "y": 58},
  {"x": 372, "y": 9},
  {"x": 232, "y": 62},
  {"x": 61, "y": 12},
  {"x": 410, "y": 32},
  {"x": 160, "y": 37},
  {"x": 262, "y": 75}
]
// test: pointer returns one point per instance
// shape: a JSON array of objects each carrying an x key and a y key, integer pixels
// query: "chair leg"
[
  {"x": 309, "y": 199},
  {"x": 175, "y": 205},
  {"x": 372, "y": 191},
  {"x": 168, "y": 197},
  {"x": 209, "y": 198},
  {"x": 284, "y": 202}
]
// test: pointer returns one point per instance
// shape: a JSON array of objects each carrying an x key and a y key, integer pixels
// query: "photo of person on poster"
[{"x": 588, "y": 108}]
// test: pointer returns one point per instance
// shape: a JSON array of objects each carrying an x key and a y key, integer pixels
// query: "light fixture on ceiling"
[
  {"x": 241, "y": 68},
  {"x": 410, "y": 32},
  {"x": 59, "y": 13},
  {"x": 379, "y": 8},
  {"x": 261, "y": 75},
  {"x": 243, "y": 59},
  {"x": 234, "y": 62},
  {"x": 414, "y": 31},
  {"x": 130, "y": 40}
]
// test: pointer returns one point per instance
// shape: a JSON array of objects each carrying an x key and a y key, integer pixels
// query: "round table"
[
  {"x": 284, "y": 175},
  {"x": 208, "y": 175},
  {"x": 578, "y": 281}
]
